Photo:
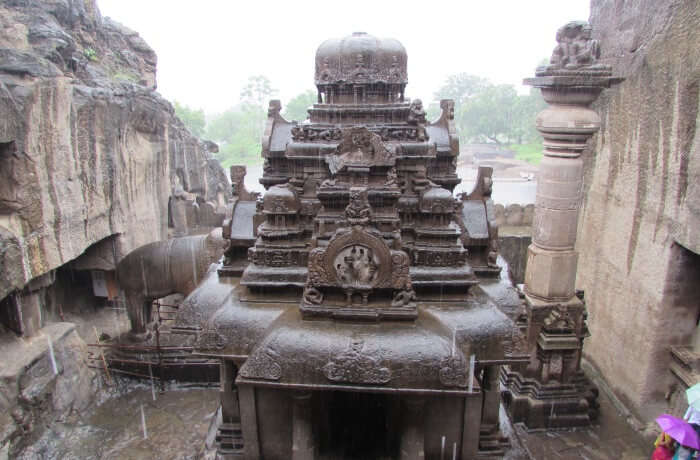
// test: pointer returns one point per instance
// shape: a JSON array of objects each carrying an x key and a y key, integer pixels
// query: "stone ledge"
[{"x": 22, "y": 353}]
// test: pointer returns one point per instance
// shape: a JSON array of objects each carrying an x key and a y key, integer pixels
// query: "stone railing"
[{"x": 515, "y": 215}]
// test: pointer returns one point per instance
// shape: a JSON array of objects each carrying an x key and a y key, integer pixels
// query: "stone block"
[
  {"x": 513, "y": 243},
  {"x": 550, "y": 274},
  {"x": 554, "y": 228}
]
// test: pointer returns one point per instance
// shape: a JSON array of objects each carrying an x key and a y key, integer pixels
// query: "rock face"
[
  {"x": 89, "y": 152},
  {"x": 34, "y": 393},
  {"x": 641, "y": 216}
]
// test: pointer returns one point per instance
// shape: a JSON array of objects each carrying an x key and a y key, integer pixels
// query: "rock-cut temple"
[
  {"x": 359, "y": 311},
  {"x": 359, "y": 328}
]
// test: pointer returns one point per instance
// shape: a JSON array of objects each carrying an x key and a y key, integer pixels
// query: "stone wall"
[
  {"x": 89, "y": 152},
  {"x": 642, "y": 197}
]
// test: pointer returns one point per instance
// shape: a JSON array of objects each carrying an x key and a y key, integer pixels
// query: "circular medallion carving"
[
  {"x": 356, "y": 265},
  {"x": 358, "y": 259}
]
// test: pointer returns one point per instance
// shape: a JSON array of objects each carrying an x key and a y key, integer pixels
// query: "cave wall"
[
  {"x": 642, "y": 197},
  {"x": 89, "y": 151}
]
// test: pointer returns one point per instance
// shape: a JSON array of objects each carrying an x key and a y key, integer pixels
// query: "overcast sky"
[{"x": 208, "y": 48}]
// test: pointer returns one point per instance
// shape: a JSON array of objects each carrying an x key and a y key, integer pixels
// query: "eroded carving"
[
  {"x": 261, "y": 366},
  {"x": 355, "y": 366},
  {"x": 453, "y": 371}
]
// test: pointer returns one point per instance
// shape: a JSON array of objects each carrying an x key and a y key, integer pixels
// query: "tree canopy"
[
  {"x": 485, "y": 112},
  {"x": 193, "y": 119},
  {"x": 239, "y": 129},
  {"x": 297, "y": 107}
]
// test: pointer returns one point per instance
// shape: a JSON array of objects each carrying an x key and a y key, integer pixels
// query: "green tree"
[
  {"x": 490, "y": 114},
  {"x": 297, "y": 107},
  {"x": 526, "y": 110},
  {"x": 193, "y": 119},
  {"x": 257, "y": 91},
  {"x": 238, "y": 131},
  {"x": 460, "y": 87}
]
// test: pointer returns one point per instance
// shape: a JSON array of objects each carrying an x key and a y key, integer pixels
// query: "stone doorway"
[
  {"x": 353, "y": 425},
  {"x": 682, "y": 321},
  {"x": 682, "y": 297}
]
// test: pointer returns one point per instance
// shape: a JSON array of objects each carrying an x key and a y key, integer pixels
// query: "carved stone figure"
[
  {"x": 180, "y": 208},
  {"x": 402, "y": 298},
  {"x": 391, "y": 178},
  {"x": 358, "y": 211},
  {"x": 416, "y": 116},
  {"x": 163, "y": 268},
  {"x": 576, "y": 50}
]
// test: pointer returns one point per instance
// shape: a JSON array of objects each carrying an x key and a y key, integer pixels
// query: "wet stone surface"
[
  {"x": 611, "y": 439},
  {"x": 176, "y": 424},
  {"x": 178, "y": 420}
]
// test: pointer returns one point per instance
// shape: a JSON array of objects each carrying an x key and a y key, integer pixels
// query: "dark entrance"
[{"x": 356, "y": 425}]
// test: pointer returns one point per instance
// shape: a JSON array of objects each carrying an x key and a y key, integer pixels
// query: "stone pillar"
[
  {"x": 229, "y": 436},
  {"x": 565, "y": 126},
  {"x": 230, "y": 410},
  {"x": 249, "y": 422},
  {"x": 552, "y": 392},
  {"x": 492, "y": 396},
  {"x": 471, "y": 426},
  {"x": 302, "y": 433},
  {"x": 412, "y": 432}
]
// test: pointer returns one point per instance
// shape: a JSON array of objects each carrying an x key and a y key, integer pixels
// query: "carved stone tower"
[
  {"x": 551, "y": 391},
  {"x": 360, "y": 313}
]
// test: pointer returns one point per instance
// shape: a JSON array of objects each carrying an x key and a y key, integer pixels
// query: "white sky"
[{"x": 208, "y": 48}]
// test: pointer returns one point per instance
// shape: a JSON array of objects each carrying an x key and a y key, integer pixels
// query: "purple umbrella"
[{"x": 680, "y": 430}]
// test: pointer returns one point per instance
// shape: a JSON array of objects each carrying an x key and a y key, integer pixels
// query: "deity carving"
[
  {"x": 356, "y": 266},
  {"x": 358, "y": 211},
  {"x": 391, "y": 178},
  {"x": 576, "y": 50}
]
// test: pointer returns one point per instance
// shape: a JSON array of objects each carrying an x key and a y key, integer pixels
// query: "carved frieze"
[
  {"x": 354, "y": 365},
  {"x": 309, "y": 133},
  {"x": 440, "y": 258},
  {"x": 276, "y": 257}
]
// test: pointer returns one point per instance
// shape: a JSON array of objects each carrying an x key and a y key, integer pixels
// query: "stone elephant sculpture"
[{"x": 162, "y": 268}]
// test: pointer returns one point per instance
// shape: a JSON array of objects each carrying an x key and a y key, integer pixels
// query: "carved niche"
[
  {"x": 359, "y": 147},
  {"x": 358, "y": 265}
]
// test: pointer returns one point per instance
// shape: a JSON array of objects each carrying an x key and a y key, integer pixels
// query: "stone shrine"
[{"x": 359, "y": 328}]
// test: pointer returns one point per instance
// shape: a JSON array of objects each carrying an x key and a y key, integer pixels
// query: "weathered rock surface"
[
  {"x": 643, "y": 196},
  {"x": 89, "y": 152},
  {"x": 32, "y": 394}
]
